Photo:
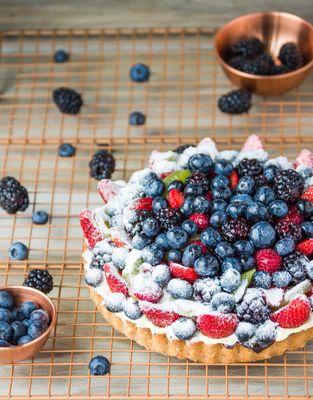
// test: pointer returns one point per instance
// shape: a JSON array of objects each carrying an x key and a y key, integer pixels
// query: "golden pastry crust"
[{"x": 198, "y": 351}]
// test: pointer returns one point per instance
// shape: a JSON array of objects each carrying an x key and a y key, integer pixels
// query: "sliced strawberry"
[
  {"x": 305, "y": 247},
  {"x": 91, "y": 232},
  {"x": 252, "y": 143},
  {"x": 144, "y": 203},
  {"x": 217, "y": 325},
  {"x": 158, "y": 316},
  {"x": 116, "y": 283},
  {"x": 293, "y": 314},
  {"x": 182, "y": 272},
  {"x": 198, "y": 242},
  {"x": 144, "y": 288},
  {"x": 107, "y": 189},
  {"x": 308, "y": 194},
  {"x": 268, "y": 260},
  {"x": 201, "y": 220},
  {"x": 175, "y": 198},
  {"x": 233, "y": 179}
]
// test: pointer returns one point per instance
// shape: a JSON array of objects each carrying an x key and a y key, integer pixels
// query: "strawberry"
[
  {"x": 268, "y": 260},
  {"x": 293, "y": 314},
  {"x": 175, "y": 198},
  {"x": 116, "y": 283},
  {"x": 305, "y": 247},
  {"x": 252, "y": 143},
  {"x": 293, "y": 216},
  {"x": 201, "y": 220},
  {"x": 158, "y": 316},
  {"x": 107, "y": 190},
  {"x": 308, "y": 194},
  {"x": 144, "y": 203},
  {"x": 198, "y": 242},
  {"x": 118, "y": 242},
  {"x": 305, "y": 158},
  {"x": 182, "y": 272},
  {"x": 233, "y": 179},
  {"x": 91, "y": 232},
  {"x": 144, "y": 288},
  {"x": 217, "y": 325}
]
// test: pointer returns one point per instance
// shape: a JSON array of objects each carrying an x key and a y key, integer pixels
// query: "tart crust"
[{"x": 197, "y": 351}]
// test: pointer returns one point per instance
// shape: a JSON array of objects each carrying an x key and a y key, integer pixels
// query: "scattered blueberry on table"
[
  {"x": 40, "y": 217},
  {"x": 139, "y": 73},
  {"x": 137, "y": 118},
  {"x": 66, "y": 150},
  {"x": 99, "y": 365},
  {"x": 61, "y": 56},
  {"x": 18, "y": 251}
]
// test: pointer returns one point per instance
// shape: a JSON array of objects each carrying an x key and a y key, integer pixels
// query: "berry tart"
[{"x": 207, "y": 255}]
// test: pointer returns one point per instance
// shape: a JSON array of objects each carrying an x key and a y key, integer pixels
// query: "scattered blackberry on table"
[
  {"x": 295, "y": 264},
  {"x": 67, "y": 100},
  {"x": 288, "y": 185},
  {"x": 13, "y": 196},
  {"x": 247, "y": 47},
  {"x": 169, "y": 218},
  {"x": 66, "y": 150},
  {"x": 290, "y": 56},
  {"x": 180, "y": 149},
  {"x": 235, "y": 102},
  {"x": 137, "y": 118},
  {"x": 102, "y": 165},
  {"x": 235, "y": 229},
  {"x": 139, "y": 73},
  {"x": 253, "y": 309},
  {"x": 40, "y": 217},
  {"x": 18, "y": 251},
  {"x": 61, "y": 56},
  {"x": 39, "y": 279},
  {"x": 250, "y": 167}
]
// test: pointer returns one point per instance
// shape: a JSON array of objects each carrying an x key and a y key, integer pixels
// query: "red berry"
[
  {"x": 107, "y": 189},
  {"x": 158, "y": 316},
  {"x": 201, "y": 220},
  {"x": 165, "y": 174},
  {"x": 116, "y": 283},
  {"x": 91, "y": 232},
  {"x": 118, "y": 242},
  {"x": 217, "y": 325},
  {"x": 293, "y": 314},
  {"x": 233, "y": 179},
  {"x": 293, "y": 216},
  {"x": 182, "y": 272},
  {"x": 305, "y": 247},
  {"x": 308, "y": 194},
  {"x": 144, "y": 203},
  {"x": 175, "y": 198},
  {"x": 268, "y": 260}
]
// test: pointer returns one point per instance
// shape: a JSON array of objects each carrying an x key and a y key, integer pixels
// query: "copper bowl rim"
[
  {"x": 52, "y": 323},
  {"x": 305, "y": 67}
]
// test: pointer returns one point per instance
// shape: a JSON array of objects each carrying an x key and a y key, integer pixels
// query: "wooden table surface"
[{"x": 20, "y": 14}]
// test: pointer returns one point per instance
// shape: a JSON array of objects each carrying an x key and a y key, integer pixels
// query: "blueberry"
[
  {"x": 306, "y": 172},
  {"x": 222, "y": 193},
  {"x": 40, "y": 316},
  {"x": 236, "y": 210},
  {"x": 244, "y": 247},
  {"x": 262, "y": 279},
  {"x": 66, "y": 150},
  {"x": 5, "y": 315},
  {"x": 223, "y": 167},
  {"x": 161, "y": 241},
  {"x": 309, "y": 270},
  {"x": 207, "y": 266},
  {"x": 253, "y": 212},
  {"x": 27, "y": 322},
  {"x": 201, "y": 205},
  {"x": 141, "y": 241},
  {"x": 159, "y": 203},
  {"x": 176, "y": 185},
  {"x": 176, "y": 237},
  {"x": 5, "y": 331},
  {"x": 223, "y": 302},
  {"x": 265, "y": 195},
  {"x": 18, "y": 251},
  {"x": 263, "y": 212},
  {"x": 270, "y": 173},
  {"x": 224, "y": 249},
  {"x": 179, "y": 289},
  {"x": 262, "y": 235},
  {"x": 231, "y": 262},
  {"x": 26, "y": 308},
  {"x": 131, "y": 309},
  {"x": 154, "y": 187},
  {"x": 119, "y": 255},
  {"x": 285, "y": 246},
  {"x": 241, "y": 198},
  {"x": 184, "y": 328},
  {"x": 191, "y": 253},
  {"x": 61, "y": 56},
  {"x": 200, "y": 162},
  {"x": 161, "y": 274},
  {"x": 115, "y": 302},
  {"x": 139, "y": 73},
  {"x": 94, "y": 277},
  {"x": 265, "y": 334},
  {"x": 210, "y": 237},
  {"x": 278, "y": 208},
  {"x": 99, "y": 365},
  {"x": 305, "y": 207},
  {"x": 174, "y": 255},
  {"x": 152, "y": 254},
  {"x": 4, "y": 343},
  {"x": 136, "y": 118},
  {"x": 230, "y": 280},
  {"x": 187, "y": 207},
  {"x": 246, "y": 185},
  {"x": 193, "y": 190},
  {"x": 6, "y": 300},
  {"x": 24, "y": 340},
  {"x": 18, "y": 330},
  {"x": 218, "y": 205},
  {"x": 150, "y": 227},
  {"x": 307, "y": 229},
  {"x": 218, "y": 218},
  {"x": 245, "y": 331},
  {"x": 16, "y": 316},
  {"x": 247, "y": 262},
  {"x": 190, "y": 227},
  {"x": 40, "y": 217},
  {"x": 281, "y": 279},
  {"x": 219, "y": 181}
]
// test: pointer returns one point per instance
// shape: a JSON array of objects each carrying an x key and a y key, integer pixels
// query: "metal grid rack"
[{"x": 180, "y": 104}]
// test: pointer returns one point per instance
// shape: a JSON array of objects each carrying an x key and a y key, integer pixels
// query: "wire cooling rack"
[{"x": 180, "y": 104}]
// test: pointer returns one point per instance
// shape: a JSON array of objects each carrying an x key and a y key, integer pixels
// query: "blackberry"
[
  {"x": 262, "y": 65},
  {"x": 169, "y": 217},
  {"x": 288, "y": 185},
  {"x": 260, "y": 181},
  {"x": 199, "y": 179},
  {"x": 68, "y": 100},
  {"x": 102, "y": 165},
  {"x": 180, "y": 149},
  {"x": 247, "y": 47},
  {"x": 290, "y": 56},
  {"x": 134, "y": 225},
  {"x": 39, "y": 279},
  {"x": 235, "y": 229},
  {"x": 295, "y": 264},
  {"x": 253, "y": 308},
  {"x": 13, "y": 196},
  {"x": 99, "y": 258},
  {"x": 251, "y": 167},
  {"x": 237, "y": 62},
  {"x": 288, "y": 229},
  {"x": 235, "y": 102}
]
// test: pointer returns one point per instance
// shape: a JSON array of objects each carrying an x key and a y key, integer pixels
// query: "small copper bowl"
[
  {"x": 274, "y": 29},
  {"x": 28, "y": 350}
]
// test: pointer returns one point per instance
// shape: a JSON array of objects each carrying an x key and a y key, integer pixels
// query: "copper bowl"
[
  {"x": 274, "y": 29},
  {"x": 28, "y": 350}
]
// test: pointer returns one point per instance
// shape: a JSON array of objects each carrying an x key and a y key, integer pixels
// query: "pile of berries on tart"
[{"x": 207, "y": 246}]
